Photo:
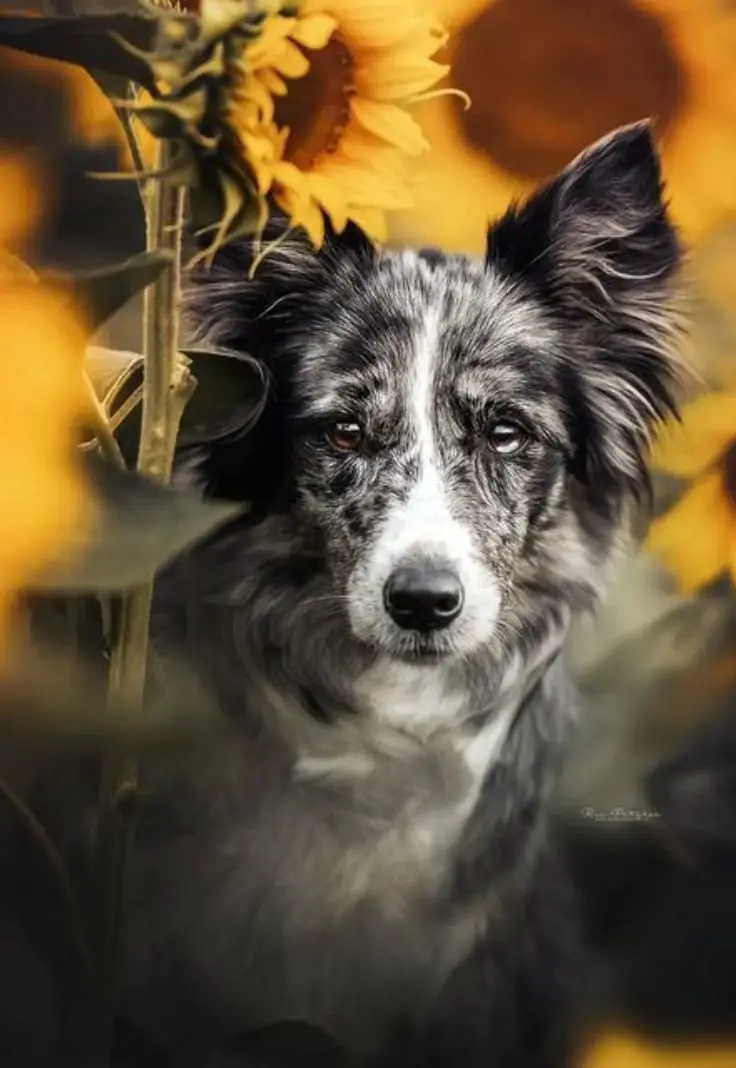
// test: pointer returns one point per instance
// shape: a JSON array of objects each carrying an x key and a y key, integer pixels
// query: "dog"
[{"x": 448, "y": 465}]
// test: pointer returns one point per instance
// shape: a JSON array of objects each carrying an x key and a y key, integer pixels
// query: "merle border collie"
[{"x": 450, "y": 458}]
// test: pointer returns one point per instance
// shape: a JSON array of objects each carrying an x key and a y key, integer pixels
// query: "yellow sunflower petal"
[
  {"x": 291, "y": 61},
  {"x": 707, "y": 428},
  {"x": 270, "y": 41},
  {"x": 257, "y": 97},
  {"x": 305, "y": 213},
  {"x": 624, "y": 1050},
  {"x": 290, "y": 177},
  {"x": 371, "y": 221},
  {"x": 262, "y": 175},
  {"x": 391, "y": 123},
  {"x": 478, "y": 165},
  {"x": 273, "y": 82},
  {"x": 695, "y": 539},
  {"x": 732, "y": 562},
  {"x": 314, "y": 31},
  {"x": 380, "y": 24},
  {"x": 331, "y": 198},
  {"x": 392, "y": 77},
  {"x": 366, "y": 190}
]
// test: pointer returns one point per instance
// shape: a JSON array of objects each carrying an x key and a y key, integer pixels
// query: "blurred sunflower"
[
  {"x": 547, "y": 77},
  {"x": 341, "y": 139},
  {"x": 625, "y": 1051},
  {"x": 41, "y": 402},
  {"x": 696, "y": 538}
]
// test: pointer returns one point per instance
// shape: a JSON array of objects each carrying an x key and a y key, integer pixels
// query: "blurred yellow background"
[{"x": 548, "y": 77}]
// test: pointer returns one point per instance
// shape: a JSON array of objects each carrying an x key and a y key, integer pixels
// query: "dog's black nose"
[{"x": 423, "y": 599}]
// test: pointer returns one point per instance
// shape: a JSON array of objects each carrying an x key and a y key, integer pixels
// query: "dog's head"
[{"x": 461, "y": 438}]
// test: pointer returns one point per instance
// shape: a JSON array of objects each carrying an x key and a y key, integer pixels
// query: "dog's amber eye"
[
  {"x": 507, "y": 439},
  {"x": 347, "y": 437}
]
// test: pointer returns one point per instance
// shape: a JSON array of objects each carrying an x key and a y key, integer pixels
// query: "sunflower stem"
[
  {"x": 167, "y": 388},
  {"x": 127, "y": 121}
]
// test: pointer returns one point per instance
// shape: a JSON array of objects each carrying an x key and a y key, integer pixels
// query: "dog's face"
[
  {"x": 428, "y": 451},
  {"x": 461, "y": 438}
]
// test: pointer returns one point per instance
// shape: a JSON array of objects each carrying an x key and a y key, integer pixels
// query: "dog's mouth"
[{"x": 422, "y": 649}]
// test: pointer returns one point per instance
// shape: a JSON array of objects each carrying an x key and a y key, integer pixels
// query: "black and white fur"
[{"x": 371, "y": 853}]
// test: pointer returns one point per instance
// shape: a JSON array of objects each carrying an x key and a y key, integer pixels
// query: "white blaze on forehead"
[
  {"x": 422, "y": 525},
  {"x": 426, "y": 523}
]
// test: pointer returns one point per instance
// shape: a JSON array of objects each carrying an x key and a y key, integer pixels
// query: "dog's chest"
[
  {"x": 417, "y": 700},
  {"x": 436, "y": 709},
  {"x": 421, "y": 781},
  {"x": 349, "y": 860}
]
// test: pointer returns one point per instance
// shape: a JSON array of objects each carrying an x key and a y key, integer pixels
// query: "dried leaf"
[
  {"x": 110, "y": 370},
  {"x": 117, "y": 378},
  {"x": 228, "y": 401}
]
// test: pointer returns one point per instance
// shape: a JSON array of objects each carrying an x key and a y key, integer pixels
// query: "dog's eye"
[
  {"x": 507, "y": 439},
  {"x": 347, "y": 437}
]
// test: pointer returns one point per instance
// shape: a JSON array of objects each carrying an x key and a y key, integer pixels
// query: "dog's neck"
[{"x": 450, "y": 717}]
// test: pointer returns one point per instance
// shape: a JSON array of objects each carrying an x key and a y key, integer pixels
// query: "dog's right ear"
[{"x": 255, "y": 293}]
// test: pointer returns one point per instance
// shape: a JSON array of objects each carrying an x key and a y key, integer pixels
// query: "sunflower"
[
  {"x": 617, "y": 1050},
  {"x": 548, "y": 77},
  {"x": 321, "y": 109},
  {"x": 696, "y": 538},
  {"x": 41, "y": 402}
]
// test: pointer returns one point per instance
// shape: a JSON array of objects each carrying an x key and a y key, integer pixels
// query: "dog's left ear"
[
  {"x": 265, "y": 312},
  {"x": 597, "y": 247},
  {"x": 598, "y": 234},
  {"x": 231, "y": 302}
]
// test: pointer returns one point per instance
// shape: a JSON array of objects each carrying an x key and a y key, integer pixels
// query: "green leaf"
[
  {"x": 231, "y": 393},
  {"x": 51, "y": 699},
  {"x": 99, "y": 294},
  {"x": 140, "y": 527},
  {"x": 95, "y": 42}
]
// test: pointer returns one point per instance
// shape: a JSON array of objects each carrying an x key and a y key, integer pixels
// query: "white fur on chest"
[
  {"x": 425, "y": 761},
  {"x": 425, "y": 702},
  {"x": 417, "y": 706},
  {"x": 419, "y": 700}
]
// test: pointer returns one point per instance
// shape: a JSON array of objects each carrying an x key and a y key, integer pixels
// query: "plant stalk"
[{"x": 167, "y": 388}]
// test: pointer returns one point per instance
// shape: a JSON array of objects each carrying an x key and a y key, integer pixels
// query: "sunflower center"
[
  {"x": 317, "y": 110},
  {"x": 547, "y": 79},
  {"x": 728, "y": 467}
]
